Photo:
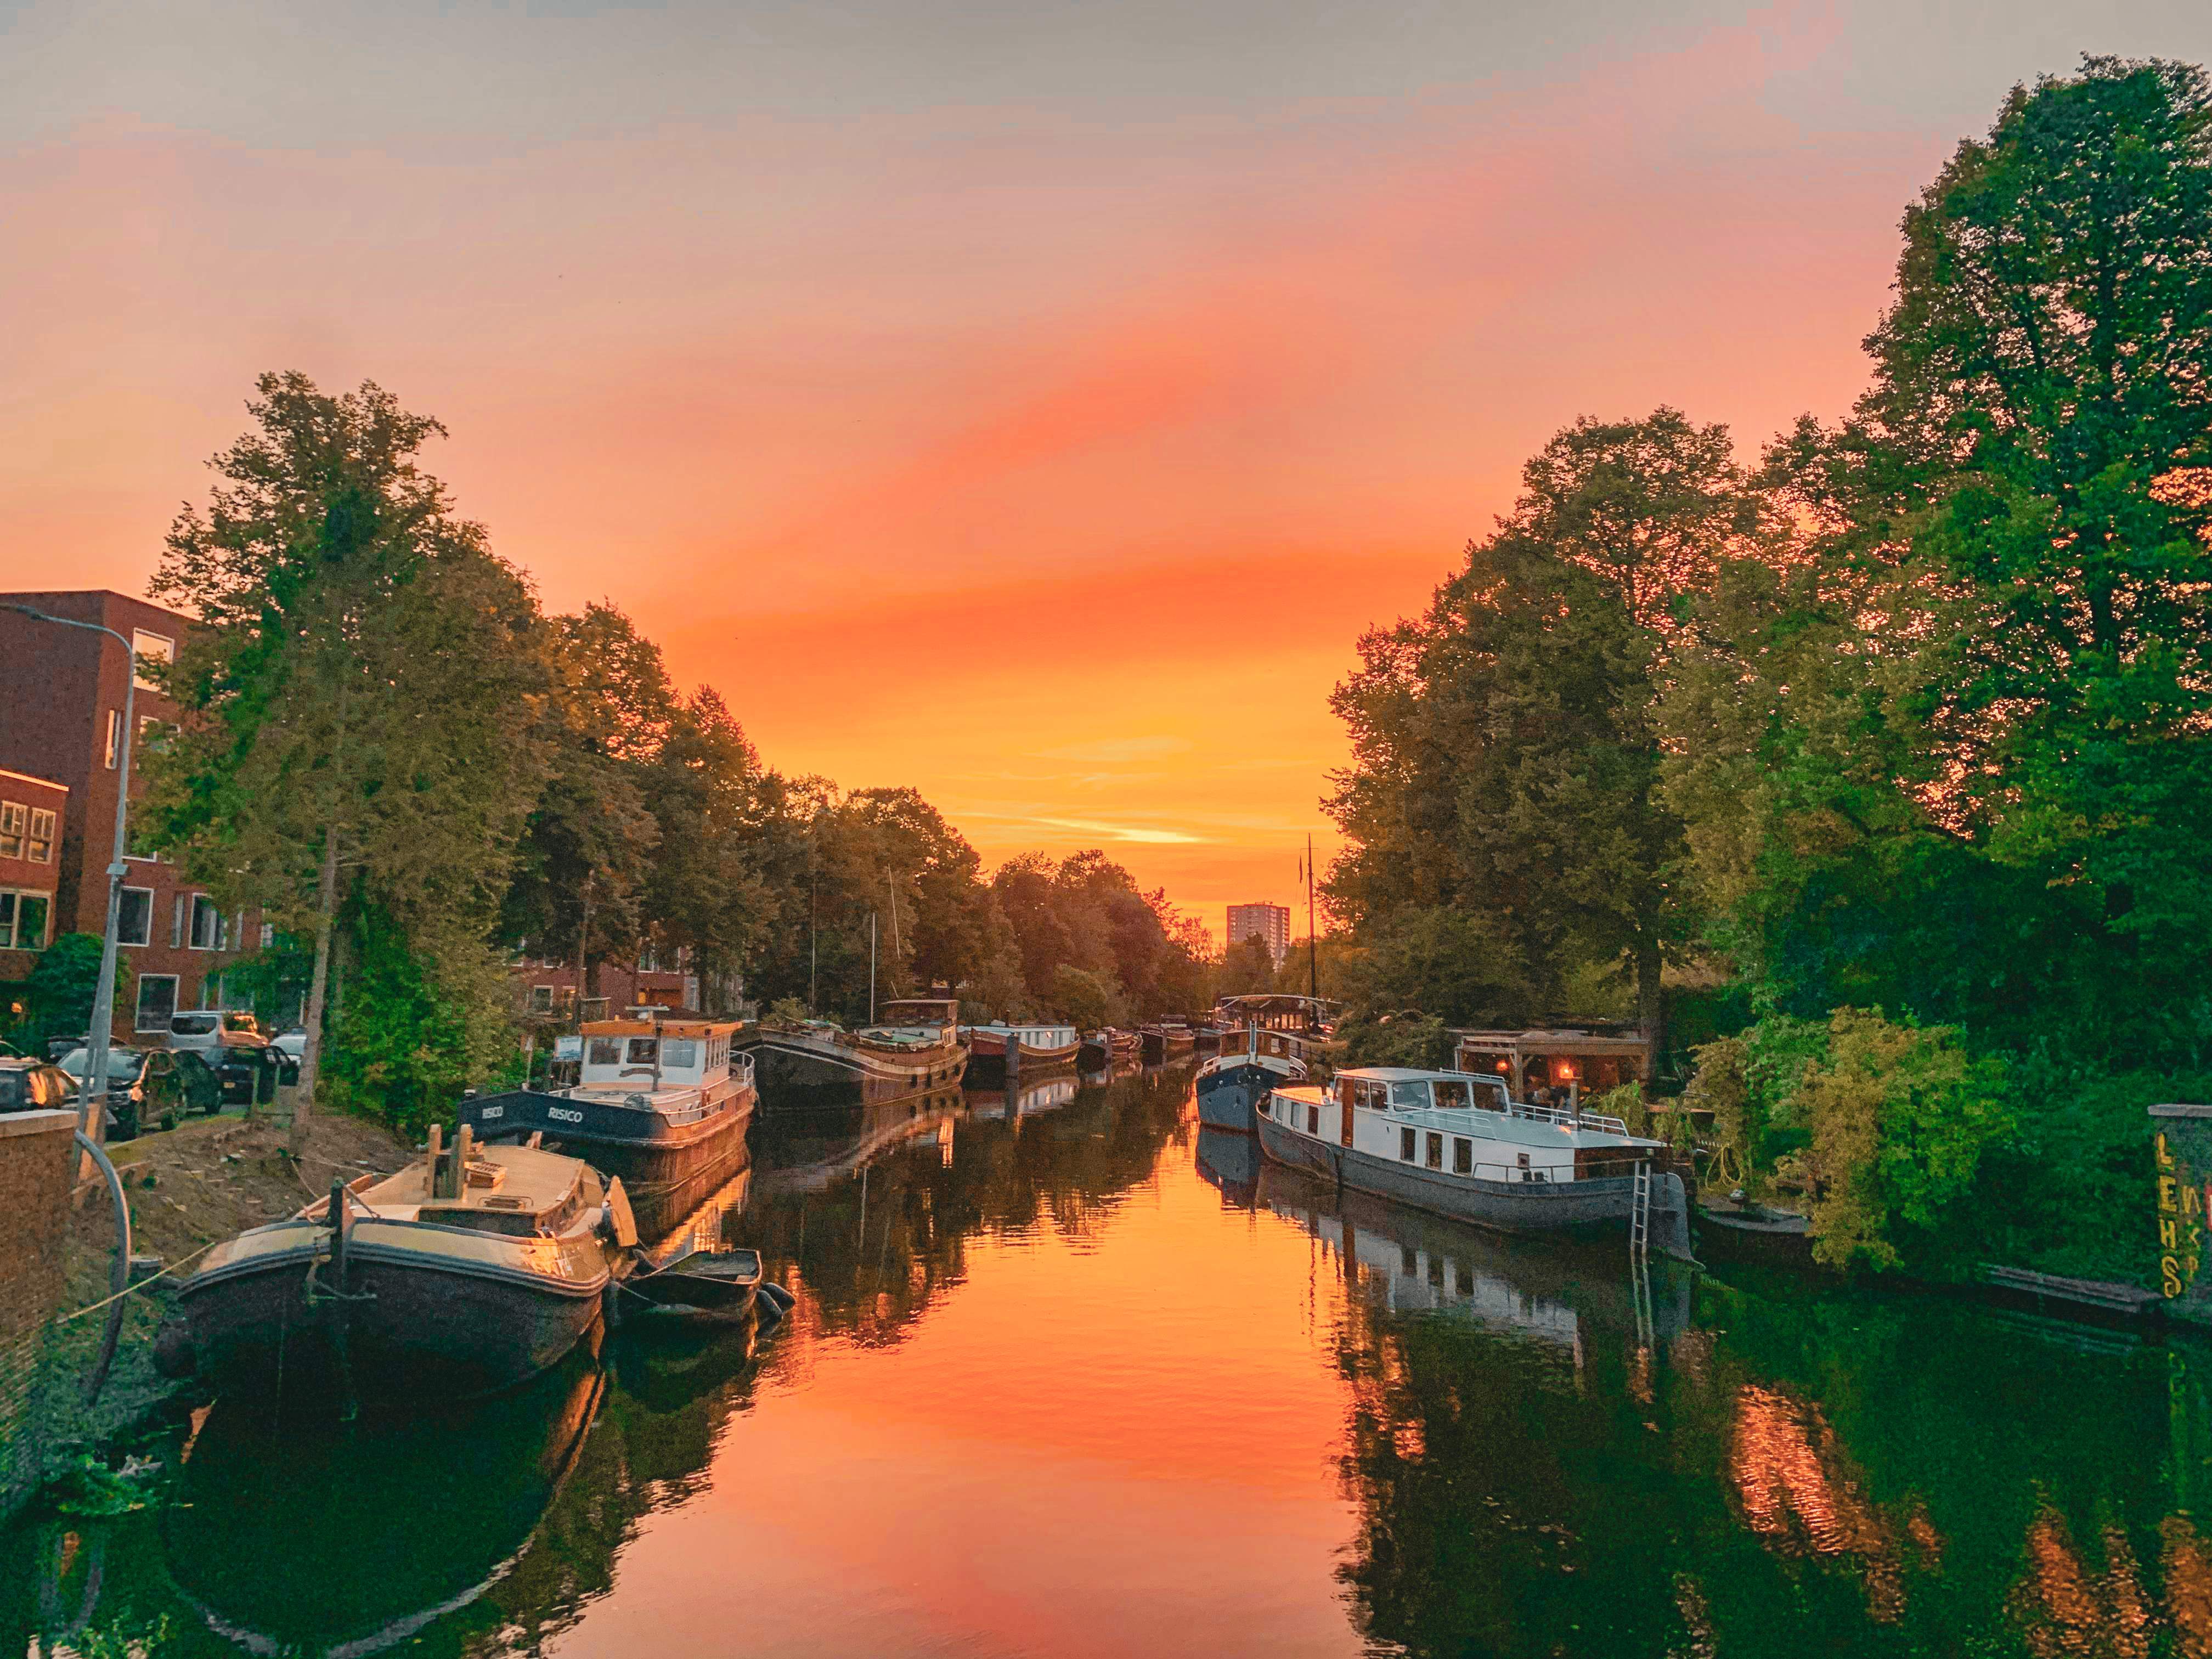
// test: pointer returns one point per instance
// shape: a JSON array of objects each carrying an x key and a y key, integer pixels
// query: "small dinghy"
[{"x": 703, "y": 1285}]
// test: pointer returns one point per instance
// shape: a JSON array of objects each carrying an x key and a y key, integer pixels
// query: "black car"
[
  {"x": 249, "y": 1072},
  {"x": 150, "y": 1085},
  {"x": 31, "y": 1086}
]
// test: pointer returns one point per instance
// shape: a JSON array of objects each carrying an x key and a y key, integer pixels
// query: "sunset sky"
[{"x": 1027, "y": 401}]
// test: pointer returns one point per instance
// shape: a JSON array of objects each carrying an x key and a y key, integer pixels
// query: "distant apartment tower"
[{"x": 1270, "y": 922}]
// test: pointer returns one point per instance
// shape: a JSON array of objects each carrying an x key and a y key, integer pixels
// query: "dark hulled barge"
[{"x": 913, "y": 1048}]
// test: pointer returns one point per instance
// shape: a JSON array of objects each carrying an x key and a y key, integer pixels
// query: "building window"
[
  {"x": 1463, "y": 1156},
  {"x": 157, "y": 1002},
  {"x": 23, "y": 920},
  {"x": 1406, "y": 1139},
  {"x": 41, "y": 850},
  {"x": 114, "y": 737},
  {"x": 541, "y": 999},
  {"x": 207, "y": 924},
  {"x": 151, "y": 647},
  {"x": 267, "y": 934},
  {"x": 1436, "y": 1152},
  {"x": 134, "y": 918},
  {"x": 14, "y": 816}
]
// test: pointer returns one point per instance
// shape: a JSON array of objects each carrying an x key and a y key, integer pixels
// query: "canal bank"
[
  {"x": 1091, "y": 1381},
  {"x": 188, "y": 1188}
]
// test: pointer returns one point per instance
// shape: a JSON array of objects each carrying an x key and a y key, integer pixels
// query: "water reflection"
[{"x": 1195, "y": 1405}]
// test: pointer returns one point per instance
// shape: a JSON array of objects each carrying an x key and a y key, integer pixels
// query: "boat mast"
[
  {"x": 872, "y": 967},
  {"x": 1313, "y": 946}
]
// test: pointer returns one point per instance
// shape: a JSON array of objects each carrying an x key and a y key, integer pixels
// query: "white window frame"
[
  {"x": 14, "y": 828},
  {"x": 136, "y": 943},
  {"x": 180, "y": 910},
  {"x": 11, "y": 900},
  {"x": 46, "y": 830},
  {"x": 203, "y": 906},
  {"x": 138, "y": 1009},
  {"x": 147, "y": 646}
]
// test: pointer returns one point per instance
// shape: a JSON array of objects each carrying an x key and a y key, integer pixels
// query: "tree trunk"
[
  {"x": 1650, "y": 997},
  {"x": 311, "y": 1052}
]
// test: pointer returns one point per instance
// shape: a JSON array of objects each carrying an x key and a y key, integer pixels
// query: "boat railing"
[{"x": 1602, "y": 1120}]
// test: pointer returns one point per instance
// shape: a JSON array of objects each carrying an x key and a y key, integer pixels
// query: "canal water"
[{"x": 1067, "y": 1376}]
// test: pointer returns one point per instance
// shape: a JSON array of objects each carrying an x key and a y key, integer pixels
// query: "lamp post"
[{"x": 94, "y": 1086}]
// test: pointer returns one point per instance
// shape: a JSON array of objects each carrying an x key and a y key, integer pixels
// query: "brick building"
[
  {"x": 61, "y": 723},
  {"x": 32, "y": 812},
  {"x": 1270, "y": 923}
]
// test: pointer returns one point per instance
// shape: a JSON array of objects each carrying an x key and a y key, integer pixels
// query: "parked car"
[
  {"x": 206, "y": 1029},
  {"x": 249, "y": 1072},
  {"x": 32, "y": 1085},
  {"x": 151, "y": 1086},
  {"x": 292, "y": 1045}
]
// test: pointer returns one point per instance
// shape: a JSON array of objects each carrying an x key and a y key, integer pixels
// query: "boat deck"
[{"x": 521, "y": 1181}]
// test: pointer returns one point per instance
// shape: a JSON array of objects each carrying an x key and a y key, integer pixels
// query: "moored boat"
[
  {"x": 1459, "y": 1146},
  {"x": 468, "y": 1271},
  {"x": 916, "y": 1046},
  {"x": 1096, "y": 1052},
  {"x": 1233, "y": 1082},
  {"x": 1167, "y": 1042},
  {"x": 1001, "y": 1049},
  {"x": 661, "y": 1104}
]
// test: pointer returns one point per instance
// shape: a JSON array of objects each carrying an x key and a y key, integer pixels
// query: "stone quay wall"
[{"x": 36, "y": 1169}]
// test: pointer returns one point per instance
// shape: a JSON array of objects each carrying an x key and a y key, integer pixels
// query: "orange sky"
[{"x": 1032, "y": 409}]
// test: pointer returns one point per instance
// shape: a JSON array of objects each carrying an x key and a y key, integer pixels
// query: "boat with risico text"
[
  {"x": 1457, "y": 1145},
  {"x": 661, "y": 1103}
]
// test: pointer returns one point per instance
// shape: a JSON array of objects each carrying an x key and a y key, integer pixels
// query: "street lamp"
[{"x": 94, "y": 1088}]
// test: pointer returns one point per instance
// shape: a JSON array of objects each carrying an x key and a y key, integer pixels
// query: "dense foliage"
[{"x": 1901, "y": 739}]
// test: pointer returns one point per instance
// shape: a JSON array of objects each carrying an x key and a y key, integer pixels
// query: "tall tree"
[
  {"x": 358, "y": 700},
  {"x": 1502, "y": 807}
]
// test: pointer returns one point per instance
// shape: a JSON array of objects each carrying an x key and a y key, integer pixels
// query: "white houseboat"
[{"x": 1459, "y": 1146}]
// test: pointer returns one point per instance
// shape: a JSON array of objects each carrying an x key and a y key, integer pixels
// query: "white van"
[{"x": 209, "y": 1028}]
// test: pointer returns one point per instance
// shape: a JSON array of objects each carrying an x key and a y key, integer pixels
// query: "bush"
[{"x": 1421, "y": 1041}]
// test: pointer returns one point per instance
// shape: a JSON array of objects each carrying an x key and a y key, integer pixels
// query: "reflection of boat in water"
[
  {"x": 1028, "y": 1096},
  {"x": 467, "y": 1272},
  {"x": 806, "y": 1064},
  {"x": 1415, "y": 1262},
  {"x": 806, "y": 1151},
  {"x": 662, "y": 1106},
  {"x": 1457, "y": 1145},
  {"x": 351, "y": 1540},
  {"x": 1230, "y": 1162}
]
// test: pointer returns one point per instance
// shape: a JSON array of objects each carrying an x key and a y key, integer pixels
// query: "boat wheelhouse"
[
  {"x": 913, "y": 1047},
  {"x": 1002, "y": 1050},
  {"x": 661, "y": 1103},
  {"x": 1459, "y": 1145},
  {"x": 1250, "y": 1064}
]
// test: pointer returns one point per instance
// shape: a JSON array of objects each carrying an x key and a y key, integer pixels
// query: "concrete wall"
[{"x": 36, "y": 1161}]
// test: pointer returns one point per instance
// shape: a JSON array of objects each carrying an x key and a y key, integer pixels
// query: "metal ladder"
[{"x": 1640, "y": 1212}]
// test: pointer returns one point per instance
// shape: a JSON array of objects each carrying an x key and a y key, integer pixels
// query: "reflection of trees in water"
[
  {"x": 868, "y": 1251},
  {"x": 1808, "y": 1472}
]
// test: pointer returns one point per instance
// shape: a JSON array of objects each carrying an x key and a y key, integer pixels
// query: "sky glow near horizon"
[{"x": 1031, "y": 404}]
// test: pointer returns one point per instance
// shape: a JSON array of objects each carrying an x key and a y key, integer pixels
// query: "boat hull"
[
  {"x": 1228, "y": 1093},
  {"x": 807, "y": 1073},
  {"x": 662, "y": 1165},
  {"x": 1598, "y": 1204},
  {"x": 418, "y": 1311}
]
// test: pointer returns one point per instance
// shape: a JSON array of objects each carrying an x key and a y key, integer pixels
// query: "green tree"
[
  {"x": 1506, "y": 745},
  {"x": 1088, "y": 1000},
  {"x": 1246, "y": 967},
  {"x": 358, "y": 699},
  {"x": 57, "y": 995}
]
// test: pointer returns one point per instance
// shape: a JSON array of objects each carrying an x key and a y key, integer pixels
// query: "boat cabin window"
[
  {"x": 642, "y": 1050},
  {"x": 1313, "y": 1120},
  {"x": 1436, "y": 1152},
  {"x": 604, "y": 1051},
  {"x": 1413, "y": 1097},
  {"x": 1462, "y": 1155},
  {"x": 1489, "y": 1093},
  {"x": 1452, "y": 1095},
  {"x": 1406, "y": 1140},
  {"x": 679, "y": 1053},
  {"x": 1375, "y": 1096}
]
